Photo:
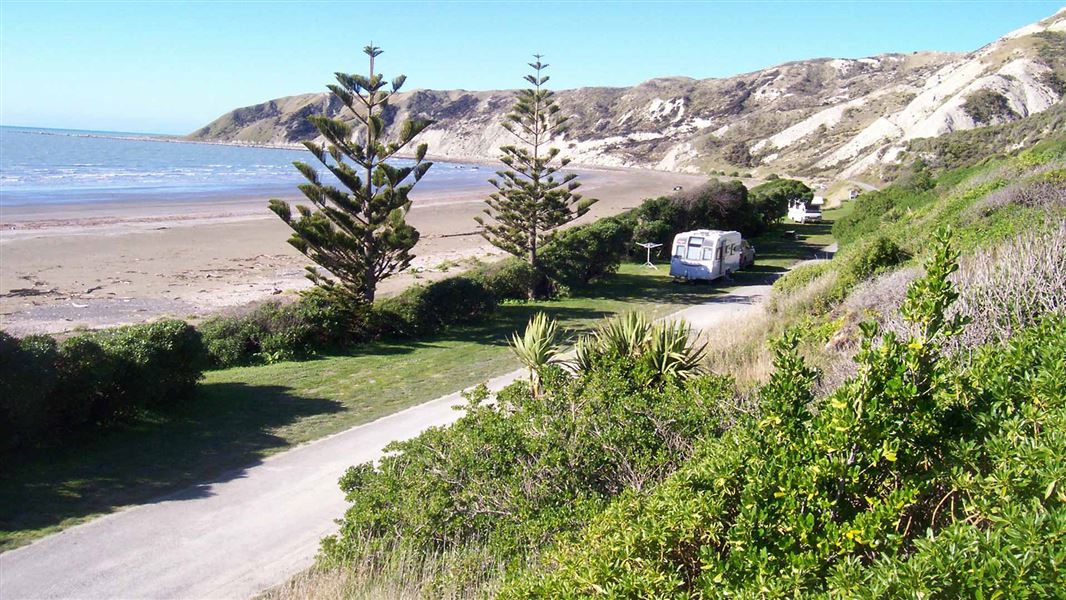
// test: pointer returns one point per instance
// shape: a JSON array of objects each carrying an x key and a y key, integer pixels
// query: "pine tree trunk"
[
  {"x": 370, "y": 288},
  {"x": 535, "y": 284}
]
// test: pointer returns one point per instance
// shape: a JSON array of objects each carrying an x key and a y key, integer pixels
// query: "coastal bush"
[
  {"x": 906, "y": 474},
  {"x": 1046, "y": 193},
  {"x": 1002, "y": 289},
  {"x": 799, "y": 277},
  {"x": 231, "y": 341},
  {"x": 868, "y": 258},
  {"x": 973, "y": 146},
  {"x": 581, "y": 255},
  {"x": 156, "y": 364},
  {"x": 426, "y": 309},
  {"x": 276, "y": 331},
  {"x": 49, "y": 390},
  {"x": 771, "y": 199},
  {"x": 874, "y": 210},
  {"x": 27, "y": 377},
  {"x": 86, "y": 390},
  {"x": 508, "y": 279},
  {"x": 986, "y": 106},
  {"x": 656, "y": 220},
  {"x": 714, "y": 205},
  {"x": 512, "y": 474}
]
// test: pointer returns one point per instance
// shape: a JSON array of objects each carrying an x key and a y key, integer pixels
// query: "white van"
[
  {"x": 804, "y": 212},
  {"x": 706, "y": 254}
]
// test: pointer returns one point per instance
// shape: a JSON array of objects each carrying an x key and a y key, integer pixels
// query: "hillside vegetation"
[{"x": 902, "y": 439}]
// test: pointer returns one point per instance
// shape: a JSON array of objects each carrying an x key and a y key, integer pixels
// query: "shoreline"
[
  {"x": 184, "y": 139},
  {"x": 100, "y": 264}
]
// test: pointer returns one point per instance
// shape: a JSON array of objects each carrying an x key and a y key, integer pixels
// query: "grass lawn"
[
  {"x": 243, "y": 414},
  {"x": 776, "y": 250}
]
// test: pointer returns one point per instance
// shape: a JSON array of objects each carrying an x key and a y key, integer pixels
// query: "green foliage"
[
  {"x": 274, "y": 331},
  {"x": 426, "y": 309},
  {"x": 771, "y": 199},
  {"x": 973, "y": 146},
  {"x": 866, "y": 259},
  {"x": 359, "y": 236},
  {"x": 874, "y": 210},
  {"x": 156, "y": 364},
  {"x": 508, "y": 279},
  {"x": 510, "y": 475},
  {"x": 321, "y": 321},
  {"x": 50, "y": 390},
  {"x": 662, "y": 351},
  {"x": 800, "y": 276},
  {"x": 918, "y": 477},
  {"x": 738, "y": 154},
  {"x": 530, "y": 201},
  {"x": 986, "y": 106},
  {"x": 576, "y": 257},
  {"x": 537, "y": 347},
  {"x": 713, "y": 205}
]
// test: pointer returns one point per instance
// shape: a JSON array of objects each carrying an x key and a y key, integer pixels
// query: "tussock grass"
[
  {"x": 742, "y": 349},
  {"x": 400, "y": 573}
]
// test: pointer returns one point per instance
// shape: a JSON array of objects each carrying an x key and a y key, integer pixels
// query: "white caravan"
[
  {"x": 804, "y": 212},
  {"x": 705, "y": 254}
]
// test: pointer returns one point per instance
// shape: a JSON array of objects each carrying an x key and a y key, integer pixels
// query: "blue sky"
[{"x": 170, "y": 67}]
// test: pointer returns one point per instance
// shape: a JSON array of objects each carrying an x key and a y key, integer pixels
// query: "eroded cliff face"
[{"x": 837, "y": 117}]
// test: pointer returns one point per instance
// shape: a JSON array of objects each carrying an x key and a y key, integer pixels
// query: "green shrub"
[
  {"x": 27, "y": 380},
  {"x": 426, "y": 309},
  {"x": 870, "y": 258},
  {"x": 156, "y": 364},
  {"x": 276, "y": 331},
  {"x": 512, "y": 473},
  {"x": 587, "y": 253},
  {"x": 49, "y": 390},
  {"x": 875, "y": 210},
  {"x": 231, "y": 341},
  {"x": 986, "y": 106},
  {"x": 713, "y": 205},
  {"x": 86, "y": 388},
  {"x": 771, "y": 199},
  {"x": 852, "y": 266},
  {"x": 920, "y": 477},
  {"x": 508, "y": 279},
  {"x": 799, "y": 277}
]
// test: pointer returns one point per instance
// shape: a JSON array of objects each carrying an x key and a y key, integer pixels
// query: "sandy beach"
[{"x": 69, "y": 266}]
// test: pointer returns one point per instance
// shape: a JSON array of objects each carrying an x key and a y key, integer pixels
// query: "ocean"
[{"x": 43, "y": 166}]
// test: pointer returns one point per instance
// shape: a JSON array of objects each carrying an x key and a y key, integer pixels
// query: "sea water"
[{"x": 39, "y": 166}]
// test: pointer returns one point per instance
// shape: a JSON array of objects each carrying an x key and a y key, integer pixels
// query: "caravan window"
[
  {"x": 708, "y": 252},
  {"x": 694, "y": 245},
  {"x": 679, "y": 251},
  {"x": 718, "y": 254}
]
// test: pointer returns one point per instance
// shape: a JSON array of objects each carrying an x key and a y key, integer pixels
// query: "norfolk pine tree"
[
  {"x": 359, "y": 234},
  {"x": 530, "y": 202}
]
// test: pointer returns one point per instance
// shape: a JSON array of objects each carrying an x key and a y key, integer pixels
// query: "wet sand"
[{"x": 91, "y": 265}]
